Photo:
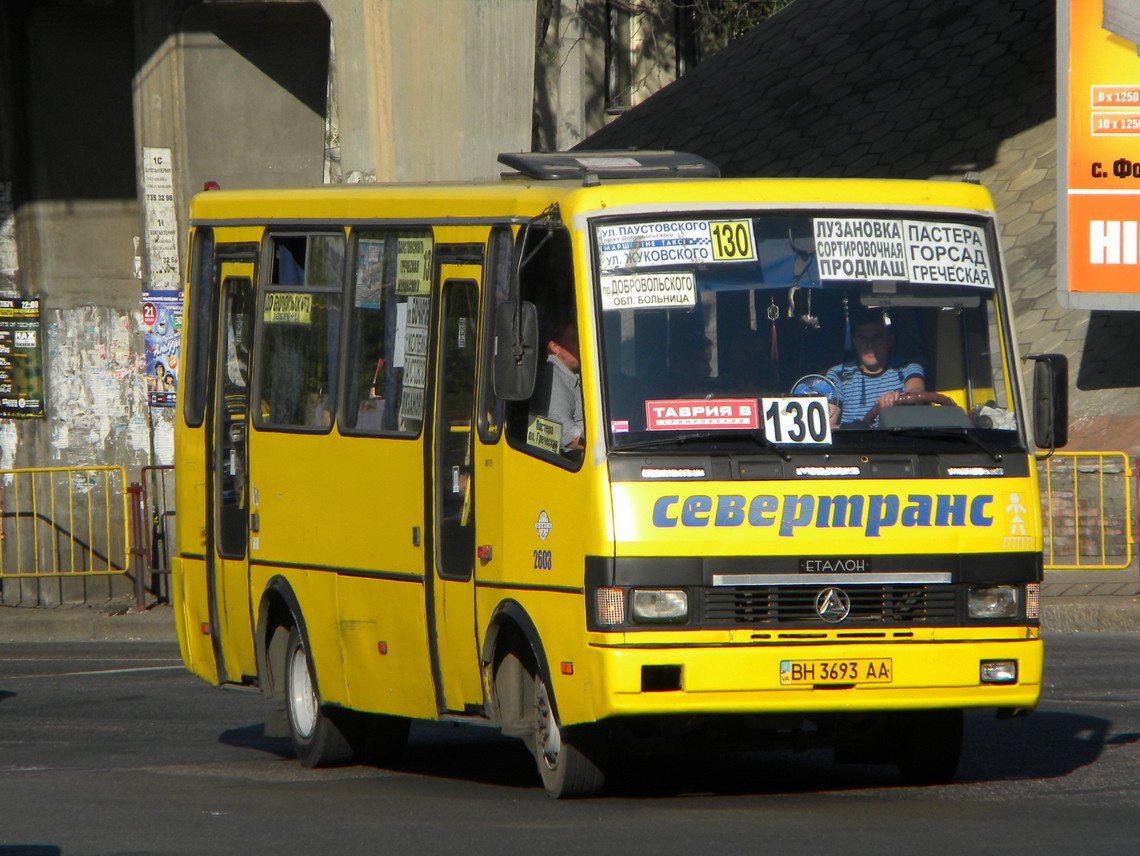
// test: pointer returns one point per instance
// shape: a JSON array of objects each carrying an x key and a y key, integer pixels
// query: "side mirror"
[
  {"x": 1050, "y": 400},
  {"x": 516, "y": 350}
]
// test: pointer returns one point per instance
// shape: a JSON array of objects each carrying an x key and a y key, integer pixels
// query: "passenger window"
[
  {"x": 551, "y": 423},
  {"x": 204, "y": 282},
  {"x": 500, "y": 267},
  {"x": 388, "y": 325},
  {"x": 300, "y": 321}
]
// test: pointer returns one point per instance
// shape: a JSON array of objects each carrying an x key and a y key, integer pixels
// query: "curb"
[
  {"x": 86, "y": 624},
  {"x": 1090, "y": 615}
]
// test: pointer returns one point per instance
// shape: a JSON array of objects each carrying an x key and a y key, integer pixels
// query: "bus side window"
[
  {"x": 500, "y": 266},
  {"x": 300, "y": 314},
  {"x": 550, "y": 424},
  {"x": 203, "y": 307},
  {"x": 386, "y": 363}
]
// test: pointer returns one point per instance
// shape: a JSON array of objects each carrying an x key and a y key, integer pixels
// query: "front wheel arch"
[
  {"x": 571, "y": 761},
  {"x": 512, "y": 630}
]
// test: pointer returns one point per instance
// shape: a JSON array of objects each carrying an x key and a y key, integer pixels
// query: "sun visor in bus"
[
  {"x": 516, "y": 350},
  {"x": 888, "y": 293}
]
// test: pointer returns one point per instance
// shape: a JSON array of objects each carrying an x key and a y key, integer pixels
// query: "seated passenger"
[
  {"x": 872, "y": 376},
  {"x": 561, "y": 378}
]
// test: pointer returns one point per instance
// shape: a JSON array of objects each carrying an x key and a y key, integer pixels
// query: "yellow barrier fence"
[
  {"x": 75, "y": 521},
  {"x": 1087, "y": 510},
  {"x": 63, "y": 522}
]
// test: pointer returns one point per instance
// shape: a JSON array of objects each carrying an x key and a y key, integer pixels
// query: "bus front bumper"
[{"x": 814, "y": 678}]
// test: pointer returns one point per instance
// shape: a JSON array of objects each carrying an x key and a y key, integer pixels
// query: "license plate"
[{"x": 796, "y": 673}]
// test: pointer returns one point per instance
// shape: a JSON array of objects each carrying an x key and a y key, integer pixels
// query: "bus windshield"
[{"x": 824, "y": 330}]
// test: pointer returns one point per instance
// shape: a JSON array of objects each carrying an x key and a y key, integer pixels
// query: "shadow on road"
[
  {"x": 1046, "y": 745},
  {"x": 253, "y": 737}
]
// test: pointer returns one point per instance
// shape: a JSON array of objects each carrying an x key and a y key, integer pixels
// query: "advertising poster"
[
  {"x": 162, "y": 326},
  {"x": 21, "y": 359},
  {"x": 1099, "y": 143}
]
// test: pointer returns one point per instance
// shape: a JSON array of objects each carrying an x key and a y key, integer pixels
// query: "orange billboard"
[{"x": 1098, "y": 112}]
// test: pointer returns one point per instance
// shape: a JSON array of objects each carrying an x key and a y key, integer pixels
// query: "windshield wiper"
[
  {"x": 697, "y": 436},
  {"x": 948, "y": 433}
]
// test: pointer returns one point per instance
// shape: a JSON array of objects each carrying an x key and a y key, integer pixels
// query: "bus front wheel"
[
  {"x": 930, "y": 746},
  {"x": 321, "y": 737},
  {"x": 571, "y": 760}
]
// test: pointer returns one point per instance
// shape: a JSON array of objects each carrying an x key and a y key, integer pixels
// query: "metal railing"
[
  {"x": 1086, "y": 506},
  {"x": 157, "y": 483},
  {"x": 76, "y": 522},
  {"x": 63, "y": 522},
  {"x": 72, "y": 523}
]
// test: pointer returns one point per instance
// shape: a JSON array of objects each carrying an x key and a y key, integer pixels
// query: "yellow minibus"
[{"x": 612, "y": 454}]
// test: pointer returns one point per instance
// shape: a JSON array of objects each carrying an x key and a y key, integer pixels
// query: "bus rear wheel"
[
  {"x": 321, "y": 737},
  {"x": 571, "y": 760}
]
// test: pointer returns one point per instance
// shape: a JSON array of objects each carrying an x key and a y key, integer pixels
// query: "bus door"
[
  {"x": 229, "y": 472},
  {"x": 451, "y": 601}
]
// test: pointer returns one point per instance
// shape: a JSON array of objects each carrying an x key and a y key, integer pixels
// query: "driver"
[{"x": 872, "y": 376}]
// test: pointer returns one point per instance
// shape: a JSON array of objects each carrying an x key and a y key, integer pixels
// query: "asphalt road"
[{"x": 112, "y": 749}]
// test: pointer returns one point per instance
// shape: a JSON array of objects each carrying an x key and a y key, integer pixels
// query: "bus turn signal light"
[{"x": 610, "y": 606}]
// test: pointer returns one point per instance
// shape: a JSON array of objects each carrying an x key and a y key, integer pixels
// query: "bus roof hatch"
[{"x": 606, "y": 163}]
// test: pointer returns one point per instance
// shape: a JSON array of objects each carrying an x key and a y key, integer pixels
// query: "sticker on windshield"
[
  {"x": 916, "y": 251},
  {"x": 949, "y": 253},
  {"x": 797, "y": 420},
  {"x": 701, "y": 414},
  {"x": 648, "y": 291},
  {"x": 282, "y": 307},
  {"x": 544, "y": 433},
  {"x": 630, "y": 246}
]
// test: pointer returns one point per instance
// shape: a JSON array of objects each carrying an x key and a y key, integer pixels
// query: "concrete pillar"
[{"x": 417, "y": 101}]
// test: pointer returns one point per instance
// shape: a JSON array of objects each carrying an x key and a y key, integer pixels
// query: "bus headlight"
[
  {"x": 669, "y": 606},
  {"x": 993, "y": 601}
]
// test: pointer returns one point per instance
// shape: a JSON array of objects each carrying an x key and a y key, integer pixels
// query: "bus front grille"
[{"x": 875, "y": 604}]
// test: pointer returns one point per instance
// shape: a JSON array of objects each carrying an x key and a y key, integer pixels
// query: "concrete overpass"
[{"x": 295, "y": 93}]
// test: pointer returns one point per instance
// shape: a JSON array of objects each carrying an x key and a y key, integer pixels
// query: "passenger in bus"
[
  {"x": 321, "y": 417},
  {"x": 872, "y": 376},
  {"x": 564, "y": 383}
]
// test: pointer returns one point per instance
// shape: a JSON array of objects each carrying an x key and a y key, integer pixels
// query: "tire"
[
  {"x": 571, "y": 761},
  {"x": 322, "y": 737},
  {"x": 930, "y": 746}
]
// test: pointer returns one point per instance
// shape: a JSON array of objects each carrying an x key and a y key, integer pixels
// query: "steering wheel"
[{"x": 909, "y": 398}]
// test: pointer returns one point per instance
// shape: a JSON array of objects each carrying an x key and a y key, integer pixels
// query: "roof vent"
[{"x": 607, "y": 163}]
